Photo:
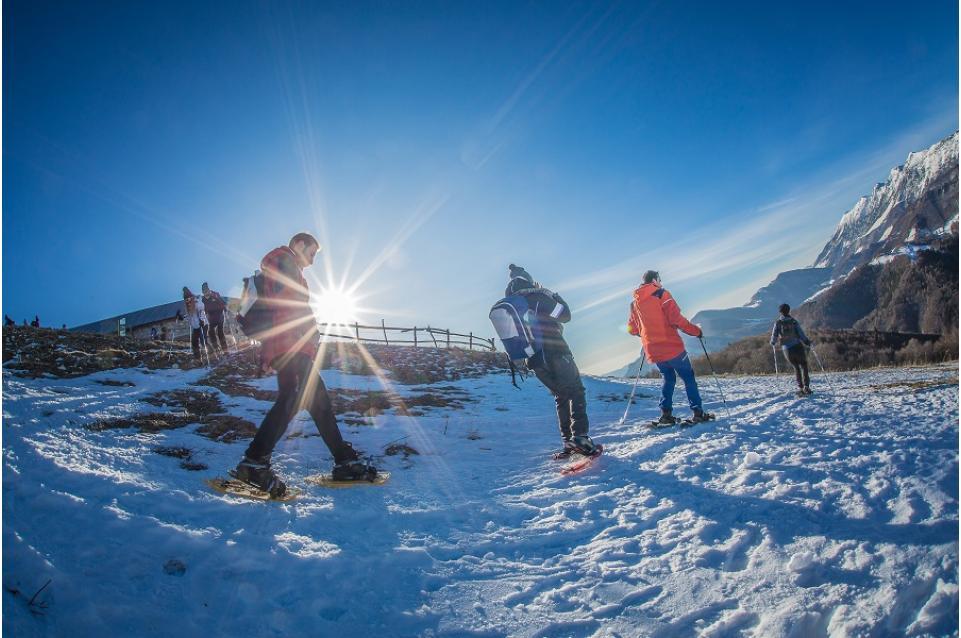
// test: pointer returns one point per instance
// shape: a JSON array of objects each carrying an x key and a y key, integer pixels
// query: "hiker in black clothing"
[
  {"x": 787, "y": 331},
  {"x": 554, "y": 365},
  {"x": 215, "y": 307},
  {"x": 36, "y": 321}
]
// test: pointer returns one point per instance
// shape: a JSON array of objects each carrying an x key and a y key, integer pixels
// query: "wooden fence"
[{"x": 389, "y": 335}]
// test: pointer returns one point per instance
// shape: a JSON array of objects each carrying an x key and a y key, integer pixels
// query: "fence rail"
[{"x": 435, "y": 337}]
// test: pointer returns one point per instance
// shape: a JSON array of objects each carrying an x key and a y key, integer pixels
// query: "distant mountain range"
[{"x": 859, "y": 278}]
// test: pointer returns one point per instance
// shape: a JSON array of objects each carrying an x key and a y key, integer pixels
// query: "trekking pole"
[
  {"x": 714, "y": 374},
  {"x": 774, "y": 352},
  {"x": 823, "y": 371},
  {"x": 636, "y": 379}
]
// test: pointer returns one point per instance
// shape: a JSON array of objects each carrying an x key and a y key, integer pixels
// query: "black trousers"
[
  {"x": 798, "y": 358},
  {"x": 216, "y": 332},
  {"x": 198, "y": 337},
  {"x": 555, "y": 368},
  {"x": 295, "y": 394}
]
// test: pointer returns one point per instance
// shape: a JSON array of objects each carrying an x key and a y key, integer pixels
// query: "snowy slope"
[{"x": 830, "y": 516}]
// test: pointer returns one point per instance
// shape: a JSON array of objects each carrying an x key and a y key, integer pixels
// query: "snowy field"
[{"x": 835, "y": 515}]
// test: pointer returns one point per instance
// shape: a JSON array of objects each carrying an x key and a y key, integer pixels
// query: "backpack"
[
  {"x": 255, "y": 317},
  {"x": 522, "y": 339},
  {"x": 788, "y": 330}
]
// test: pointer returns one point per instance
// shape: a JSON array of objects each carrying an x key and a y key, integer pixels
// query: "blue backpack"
[{"x": 521, "y": 337}]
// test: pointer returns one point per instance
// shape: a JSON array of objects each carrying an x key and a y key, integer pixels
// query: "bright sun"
[{"x": 335, "y": 306}]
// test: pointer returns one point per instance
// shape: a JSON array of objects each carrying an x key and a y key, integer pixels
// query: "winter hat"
[
  {"x": 784, "y": 309},
  {"x": 651, "y": 275},
  {"x": 518, "y": 272}
]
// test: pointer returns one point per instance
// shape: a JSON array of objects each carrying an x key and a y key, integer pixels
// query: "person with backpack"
[
  {"x": 216, "y": 308},
  {"x": 788, "y": 333},
  {"x": 656, "y": 318},
  {"x": 544, "y": 351},
  {"x": 194, "y": 314},
  {"x": 290, "y": 346}
]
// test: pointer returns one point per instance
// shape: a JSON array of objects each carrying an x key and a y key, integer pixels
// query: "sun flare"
[{"x": 335, "y": 306}]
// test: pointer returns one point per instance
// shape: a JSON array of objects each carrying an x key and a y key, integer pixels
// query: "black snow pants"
[
  {"x": 198, "y": 338},
  {"x": 216, "y": 332},
  {"x": 299, "y": 388},
  {"x": 798, "y": 358},
  {"x": 554, "y": 366}
]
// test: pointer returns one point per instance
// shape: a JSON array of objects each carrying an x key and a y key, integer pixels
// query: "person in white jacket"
[{"x": 194, "y": 314}]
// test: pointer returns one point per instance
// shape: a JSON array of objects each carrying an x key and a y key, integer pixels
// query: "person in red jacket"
[
  {"x": 655, "y": 317},
  {"x": 290, "y": 348}
]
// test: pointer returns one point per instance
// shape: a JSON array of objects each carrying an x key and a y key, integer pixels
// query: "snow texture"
[{"x": 834, "y": 515}]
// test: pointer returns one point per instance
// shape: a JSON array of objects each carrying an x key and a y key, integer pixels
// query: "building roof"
[
  {"x": 138, "y": 318},
  {"x": 135, "y": 319}
]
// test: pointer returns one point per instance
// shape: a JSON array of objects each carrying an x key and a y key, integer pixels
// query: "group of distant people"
[
  {"x": 7, "y": 321},
  {"x": 206, "y": 315}
]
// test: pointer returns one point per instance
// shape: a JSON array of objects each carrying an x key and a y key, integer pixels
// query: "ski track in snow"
[{"x": 835, "y": 515}]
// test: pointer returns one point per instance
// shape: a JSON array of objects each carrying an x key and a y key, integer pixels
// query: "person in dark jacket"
[
  {"x": 788, "y": 333},
  {"x": 290, "y": 348},
  {"x": 216, "y": 309},
  {"x": 554, "y": 365}
]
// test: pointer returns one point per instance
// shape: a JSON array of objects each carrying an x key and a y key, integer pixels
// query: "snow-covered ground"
[{"x": 835, "y": 515}]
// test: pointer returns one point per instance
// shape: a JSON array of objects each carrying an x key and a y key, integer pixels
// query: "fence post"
[
  {"x": 384, "y": 326},
  {"x": 415, "y": 336},
  {"x": 448, "y": 338},
  {"x": 471, "y": 342},
  {"x": 356, "y": 331}
]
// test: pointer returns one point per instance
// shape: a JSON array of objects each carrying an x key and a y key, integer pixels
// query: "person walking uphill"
[
  {"x": 216, "y": 307},
  {"x": 554, "y": 363},
  {"x": 290, "y": 348},
  {"x": 787, "y": 331},
  {"x": 655, "y": 317}
]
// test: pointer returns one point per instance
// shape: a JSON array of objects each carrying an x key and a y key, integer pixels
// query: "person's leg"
[
  {"x": 686, "y": 371},
  {"x": 195, "y": 342},
  {"x": 795, "y": 356},
  {"x": 546, "y": 375},
  {"x": 571, "y": 391},
  {"x": 669, "y": 378},
  {"x": 278, "y": 417},
  {"x": 317, "y": 400},
  {"x": 221, "y": 337}
]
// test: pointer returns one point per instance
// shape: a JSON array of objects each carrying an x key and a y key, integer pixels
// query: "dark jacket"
[
  {"x": 550, "y": 311},
  {"x": 215, "y": 306},
  {"x": 784, "y": 324},
  {"x": 294, "y": 326}
]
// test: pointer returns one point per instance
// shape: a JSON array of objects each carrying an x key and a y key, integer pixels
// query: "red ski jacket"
[
  {"x": 655, "y": 317},
  {"x": 294, "y": 326}
]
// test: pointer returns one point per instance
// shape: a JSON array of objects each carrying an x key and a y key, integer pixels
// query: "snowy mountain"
[
  {"x": 788, "y": 517},
  {"x": 918, "y": 201},
  {"x": 916, "y": 205}
]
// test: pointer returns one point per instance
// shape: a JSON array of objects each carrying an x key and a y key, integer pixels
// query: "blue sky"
[{"x": 148, "y": 146}]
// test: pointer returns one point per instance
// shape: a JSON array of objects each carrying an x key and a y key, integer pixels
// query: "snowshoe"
[
  {"x": 354, "y": 471},
  {"x": 259, "y": 475},
  {"x": 666, "y": 420},
  {"x": 700, "y": 416}
]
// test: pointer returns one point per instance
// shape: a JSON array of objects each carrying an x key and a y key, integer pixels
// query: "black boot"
[
  {"x": 259, "y": 474},
  {"x": 700, "y": 416},
  {"x": 583, "y": 445},
  {"x": 666, "y": 417},
  {"x": 354, "y": 471}
]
